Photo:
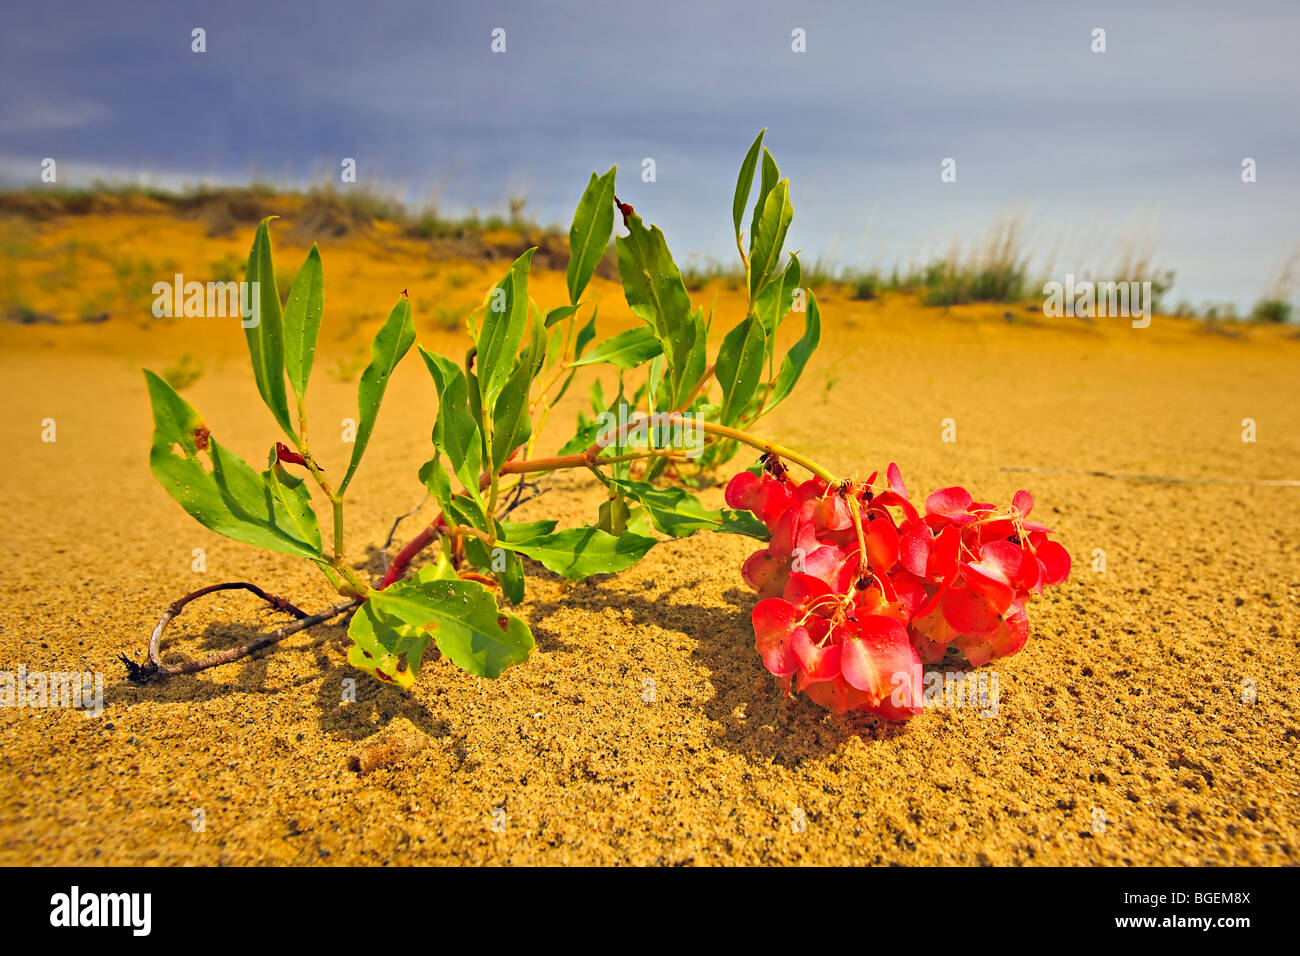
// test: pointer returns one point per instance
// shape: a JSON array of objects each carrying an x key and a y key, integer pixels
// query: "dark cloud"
[{"x": 1156, "y": 127}]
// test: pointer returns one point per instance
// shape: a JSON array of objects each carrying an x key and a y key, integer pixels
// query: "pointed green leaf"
[
  {"x": 585, "y": 335},
  {"x": 218, "y": 488},
  {"x": 677, "y": 512},
  {"x": 511, "y": 425},
  {"x": 652, "y": 283},
  {"x": 745, "y": 181},
  {"x": 769, "y": 235},
  {"x": 792, "y": 365},
  {"x": 455, "y": 430},
  {"x": 593, "y": 223},
  {"x": 522, "y": 532},
  {"x": 627, "y": 350},
  {"x": 559, "y": 314},
  {"x": 293, "y": 497},
  {"x": 505, "y": 320},
  {"x": 577, "y": 553},
  {"x": 770, "y": 176},
  {"x": 776, "y": 299},
  {"x": 265, "y": 336},
  {"x": 302, "y": 318},
  {"x": 739, "y": 367},
  {"x": 391, "y": 342}
]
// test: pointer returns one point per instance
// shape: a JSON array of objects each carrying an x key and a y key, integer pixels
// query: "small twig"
[
  {"x": 153, "y": 667},
  {"x": 536, "y": 489}
]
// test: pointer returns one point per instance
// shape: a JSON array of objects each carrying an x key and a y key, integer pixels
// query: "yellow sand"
[{"x": 1122, "y": 733}]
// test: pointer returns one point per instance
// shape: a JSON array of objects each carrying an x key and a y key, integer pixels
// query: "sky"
[{"x": 1100, "y": 157}]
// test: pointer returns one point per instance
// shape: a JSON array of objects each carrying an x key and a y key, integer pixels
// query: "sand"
[{"x": 644, "y": 729}]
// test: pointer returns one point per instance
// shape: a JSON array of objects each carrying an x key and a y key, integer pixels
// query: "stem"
[
  {"x": 337, "y": 504},
  {"x": 699, "y": 386},
  {"x": 588, "y": 459},
  {"x": 772, "y": 448}
]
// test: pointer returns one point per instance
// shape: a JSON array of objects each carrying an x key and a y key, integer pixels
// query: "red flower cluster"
[{"x": 853, "y": 599}]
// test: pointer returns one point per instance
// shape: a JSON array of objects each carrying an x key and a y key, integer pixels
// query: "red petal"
[
  {"x": 1056, "y": 562},
  {"x": 773, "y": 627},
  {"x": 882, "y": 544},
  {"x": 978, "y": 650},
  {"x": 914, "y": 546},
  {"x": 880, "y": 658},
  {"x": 952, "y": 503},
  {"x": 818, "y": 663},
  {"x": 832, "y": 514},
  {"x": 968, "y": 613},
  {"x": 896, "y": 480},
  {"x": 1023, "y": 502},
  {"x": 836, "y": 695},
  {"x": 742, "y": 491},
  {"x": 802, "y": 589},
  {"x": 943, "y": 554},
  {"x": 1003, "y": 559},
  {"x": 765, "y": 573},
  {"x": 1012, "y": 634}
]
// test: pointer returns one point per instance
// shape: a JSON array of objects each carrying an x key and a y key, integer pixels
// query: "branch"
[{"x": 154, "y": 667}]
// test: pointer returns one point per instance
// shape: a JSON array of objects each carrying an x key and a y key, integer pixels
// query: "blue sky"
[{"x": 1136, "y": 148}]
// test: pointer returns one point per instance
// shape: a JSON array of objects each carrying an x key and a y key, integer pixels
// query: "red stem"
[{"x": 417, "y": 544}]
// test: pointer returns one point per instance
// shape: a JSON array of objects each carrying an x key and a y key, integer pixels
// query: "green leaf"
[
  {"x": 585, "y": 335},
  {"x": 593, "y": 223},
  {"x": 653, "y": 287},
  {"x": 227, "y": 495},
  {"x": 577, "y": 553},
  {"x": 560, "y": 314},
  {"x": 677, "y": 512},
  {"x": 392, "y": 629},
  {"x": 266, "y": 336},
  {"x": 293, "y": 497},
  {"x": 692, "y": 358},
  {"x": 770, "y": 175},
  {"x": 434, "y": 477},
  {"x": 745, "y": 181},
  {"x": 627, "y": 350},
  {"x": 792, "y": 365},
  {"x": 511, "y": 425},
  {"x": 391, "y": 342},
  {"x": 302, "y": 318},
  {"x": 455, "y": 430},
  {"x": 776, "y": 299},
  {"x": 769, "y": 235},
  {"x": 505, "y": 320},
  {"x": 522, "y": 532},
  {"x": 739, "y": 367}
]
